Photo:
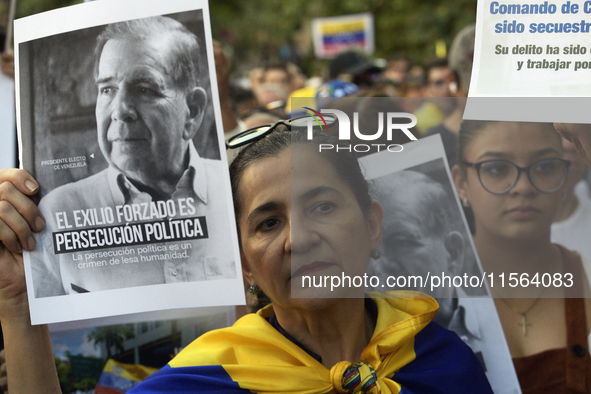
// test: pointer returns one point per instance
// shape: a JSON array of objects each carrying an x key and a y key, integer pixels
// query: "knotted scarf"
[{"x": 407, "y": 354}]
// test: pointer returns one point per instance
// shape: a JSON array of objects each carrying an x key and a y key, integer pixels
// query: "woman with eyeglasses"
[
  {"x": 512, "y": 175},
  {"x": 300, "y": 213}
]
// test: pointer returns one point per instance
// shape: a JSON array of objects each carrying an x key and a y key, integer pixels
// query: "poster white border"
[{"x": 143, "y": 299}]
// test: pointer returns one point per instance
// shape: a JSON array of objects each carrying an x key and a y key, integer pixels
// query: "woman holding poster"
[
  {"x": 300, "y": 214},
  {"x": 511, "y": 175}
]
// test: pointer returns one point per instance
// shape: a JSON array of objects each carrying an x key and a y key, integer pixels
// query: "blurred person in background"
[
  {"x": 353, "y": 66},
  {"x": 384, "y": 88},
  {"x": 573, "y": 220},
  {"x": 296, "y": 76},
  {"x": 255, "y": 77},
  {"x": 331, "y": 91},
  {"x": 348, "y": 74},
  {"x": 222, "y": 70},
  {"x": 7, "y": 64},
  {"x": 272, "y": 98},
  {"x": 439, "y": 79},
  {"x": 412, "y": 89},
  {"x": 414, "y": 83},
  {"x": 397, "y": 68},
  {"x": 461, "y": 56},
  {"x": 244, "y": 101},
  {"x": 441, "y": 83},
  {"x": 277, "y": 74}
]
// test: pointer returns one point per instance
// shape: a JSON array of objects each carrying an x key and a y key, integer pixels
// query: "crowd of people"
[
  {"x": 514, "y": 179},
  {"x": 266, "y": 93}
]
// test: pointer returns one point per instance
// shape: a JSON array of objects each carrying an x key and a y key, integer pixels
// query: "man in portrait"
[
  {"x": 419, "y": 231},
  {"x": 148, "y": 109},
  {"x": 423, "y": 233}
]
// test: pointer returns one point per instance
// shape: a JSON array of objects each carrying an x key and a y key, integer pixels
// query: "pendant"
[{"x": 524, "y": 324}]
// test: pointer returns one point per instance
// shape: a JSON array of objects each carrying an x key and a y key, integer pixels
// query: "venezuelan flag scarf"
[
  {"x": 407, "y": 354},
  {"x": 118, "y": 378}
]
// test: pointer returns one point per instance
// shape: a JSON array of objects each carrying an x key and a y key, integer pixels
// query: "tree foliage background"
[
  {"x": 29, "y": 7},
  {"x": 256, "y": 30},
  {"x": 111, "y": 337},
  {"x": 69, "y": 384}
]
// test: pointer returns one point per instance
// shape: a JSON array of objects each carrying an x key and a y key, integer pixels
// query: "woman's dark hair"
[
  {"x": 468, "y": 131},
  {"x": 343, "y": 162}
]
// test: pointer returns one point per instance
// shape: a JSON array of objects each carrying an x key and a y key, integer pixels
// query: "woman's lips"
[
  {"x": 310, "y": 269},
  {"x": 523, "y": 212}
]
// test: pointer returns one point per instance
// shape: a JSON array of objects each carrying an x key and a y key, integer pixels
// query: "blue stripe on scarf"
[
  {"x": 208, "y": 379},
  {"x": 441, "y": 357}
]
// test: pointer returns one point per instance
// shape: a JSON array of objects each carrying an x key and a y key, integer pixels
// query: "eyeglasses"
[
  {"x": 255, "y": 134},
  {"x": 500, "y": 176}
]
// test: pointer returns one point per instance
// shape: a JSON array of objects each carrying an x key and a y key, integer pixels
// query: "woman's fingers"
[
  {"x": 23, "y": 205},
  {"x": 19, "y": 216},
  {"x": 9, "y": 238},
  {"x": 21, "y": 179}
]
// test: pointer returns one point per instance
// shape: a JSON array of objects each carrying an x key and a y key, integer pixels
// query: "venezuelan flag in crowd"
[
  {"x": 407, "y": 354},
  {"x": 339, "y": 37},
  {"x": 333, "y": 35},
  {"x": 118, "y": 378}
]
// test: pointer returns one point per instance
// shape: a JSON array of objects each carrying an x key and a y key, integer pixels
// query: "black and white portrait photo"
[
  {"x": 119, "y": 126},
  {"x": 423, "y": 232},
  {"x": 425, "y": 235}
]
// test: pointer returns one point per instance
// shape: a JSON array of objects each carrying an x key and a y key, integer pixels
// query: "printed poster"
[
  {"x": 414, "y": 187},
  {"x": 531, "y": 61},
  {"x": 119, "y": 121},
  {"x": 338, "y": 34}
]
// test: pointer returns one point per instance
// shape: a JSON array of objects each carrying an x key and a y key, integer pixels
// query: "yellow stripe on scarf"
[{"x": 262, "y": 360}]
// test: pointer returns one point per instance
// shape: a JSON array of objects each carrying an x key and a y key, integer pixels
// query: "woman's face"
[
  {"x": 523, "y": 212},
  {"x": 300, "y": 219}
]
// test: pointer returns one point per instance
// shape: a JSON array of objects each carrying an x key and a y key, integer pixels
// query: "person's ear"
[
  {"x": 246, "y": 272},
  {"x": 454, "y": 243},
  {"x": 459, "y": 176},
  {"x": 453, "y": 87},
  {"x": 196, "y": 103},
  {"x": 375, "y": 218}
]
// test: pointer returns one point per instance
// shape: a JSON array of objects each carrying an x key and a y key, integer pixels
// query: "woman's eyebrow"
[
  {"x": 505, "y": 155},
  {"x": 493, "y": 154},
  {"x": 545, "y": 151},
  {"x": 265, "y": 208},
  {"x": 312, "y": 193}
]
